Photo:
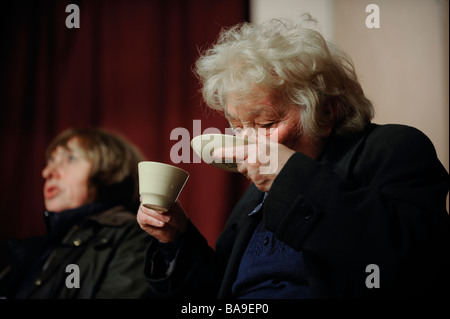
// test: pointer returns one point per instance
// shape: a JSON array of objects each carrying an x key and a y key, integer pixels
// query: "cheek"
[
  {"x": 78, "y": 192},
  {"x": 81, "y": 192},
  {"x": 282, "y": 134}
]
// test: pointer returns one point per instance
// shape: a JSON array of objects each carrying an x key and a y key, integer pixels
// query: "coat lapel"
[{"x": 237, "y": 234}]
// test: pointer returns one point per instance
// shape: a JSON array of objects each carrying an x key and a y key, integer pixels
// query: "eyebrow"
[
  {"x": 64, "y": 148},
  {"x": 255, "y": 111},
  {"x": 52, "y": 154}
]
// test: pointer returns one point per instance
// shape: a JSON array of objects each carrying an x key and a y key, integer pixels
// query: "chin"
[
  {"x": 55, "y": 207},
  {"x": 53, "y": 210}
]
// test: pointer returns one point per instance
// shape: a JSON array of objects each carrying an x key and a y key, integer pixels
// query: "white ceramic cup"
[{"x": 160, "y": 184}]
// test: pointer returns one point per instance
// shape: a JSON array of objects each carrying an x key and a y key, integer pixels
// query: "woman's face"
[
  {"x": 282, "y": 127},
  {"x": 67, "y": 178}
]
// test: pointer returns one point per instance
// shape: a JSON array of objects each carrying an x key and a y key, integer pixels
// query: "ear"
[
  {"x": 93, "y": 193},
  {"x": 329, "y": 114}
]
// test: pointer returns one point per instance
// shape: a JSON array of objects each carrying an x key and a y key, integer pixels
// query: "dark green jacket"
[{"x": 108, "y": 249}]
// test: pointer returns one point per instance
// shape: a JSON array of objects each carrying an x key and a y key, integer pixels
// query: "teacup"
[{"x": 160, "y": 184}]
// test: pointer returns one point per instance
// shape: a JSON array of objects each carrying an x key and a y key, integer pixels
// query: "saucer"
[{"x": 204, "y": 146}]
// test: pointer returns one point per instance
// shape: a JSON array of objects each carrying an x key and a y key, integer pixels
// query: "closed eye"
[{"x": 268, "y": 124}]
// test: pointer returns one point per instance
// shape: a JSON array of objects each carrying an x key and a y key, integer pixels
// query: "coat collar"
[{"x": 57, "y": 224}]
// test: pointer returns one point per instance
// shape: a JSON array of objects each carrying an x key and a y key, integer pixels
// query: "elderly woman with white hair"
[{"x": 351, "y": 210}]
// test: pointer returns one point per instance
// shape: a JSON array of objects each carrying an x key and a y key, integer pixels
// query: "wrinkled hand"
[
  {"x": 164, "y": 226},
  {"x": 260, "y": 161}
]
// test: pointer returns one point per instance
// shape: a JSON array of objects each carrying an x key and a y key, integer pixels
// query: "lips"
[{"x": 51, "y": 191}]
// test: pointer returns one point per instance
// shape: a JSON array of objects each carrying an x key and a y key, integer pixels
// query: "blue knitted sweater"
[{"x": 270, "y": 269}]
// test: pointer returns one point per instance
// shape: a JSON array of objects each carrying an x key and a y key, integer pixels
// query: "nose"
[
  {"x": 246, "y": 132},
  {"x": 50, "y": 171}
]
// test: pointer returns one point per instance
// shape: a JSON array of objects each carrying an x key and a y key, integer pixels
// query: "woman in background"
[{"x": 93, "y": 247}]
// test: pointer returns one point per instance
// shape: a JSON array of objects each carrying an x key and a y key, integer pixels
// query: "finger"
[
  {"x": 146, "y": 221},
  {"x": 163, "y": 235},
  {"x": 155, "y": 214},
  {"x": 238, "y": 153},
  {"x": 243, "y": 169}
]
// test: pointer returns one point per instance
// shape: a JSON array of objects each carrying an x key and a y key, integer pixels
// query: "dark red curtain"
[{"x": 128, "y": 68}]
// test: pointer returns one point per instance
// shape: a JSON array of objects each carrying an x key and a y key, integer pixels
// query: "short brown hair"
[{"x": 114, "y": 163}]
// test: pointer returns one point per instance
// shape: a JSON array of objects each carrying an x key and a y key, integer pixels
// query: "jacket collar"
[
  {"x": 340, "y": 151},
  {"x": 57, "y": 224}
]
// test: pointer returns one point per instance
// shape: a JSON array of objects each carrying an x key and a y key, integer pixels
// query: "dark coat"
[
  {"x": 107, "y": 247},
  {"x": 374, "y": 199}
]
